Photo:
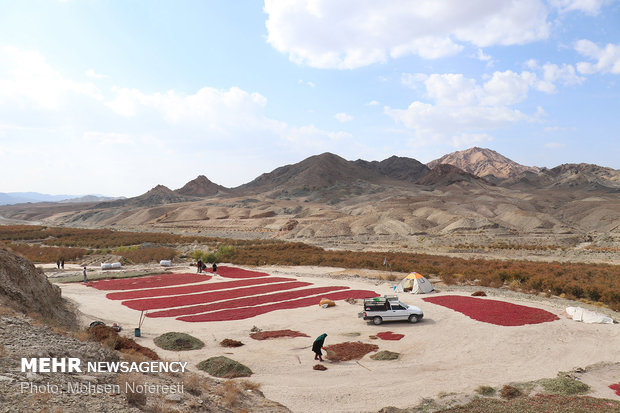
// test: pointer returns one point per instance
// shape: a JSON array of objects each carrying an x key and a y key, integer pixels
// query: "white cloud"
[
  {"x": 372, "y": 103},
  {"x": 413, "y": 80},
  {"x": 552, "y": 129},
  {"x": 480, "y": 55},
  {"x": 348, "y": 34},
  {"x": 592, "y": 7},
  {"x": 462, "y": 110},
  {"x": 130, "y": 132},
  {"x": 308, "y": 83},
  {"x": 466, "y": 140},
  {"x": 343, "y": 117},
  {"x": 607, "y": 58},
  {"x": 27, "y": 79},
  {"x": 94, "y": 75}
]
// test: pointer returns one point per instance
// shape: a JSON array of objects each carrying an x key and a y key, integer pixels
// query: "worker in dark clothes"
[
  {"x": 214, "y": 269},
  {"x": 317, "y": 346},
  {"x": 199, "y": 266}
]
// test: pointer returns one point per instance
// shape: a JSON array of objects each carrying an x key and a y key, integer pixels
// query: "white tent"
[{"x": 416, "y": 283}]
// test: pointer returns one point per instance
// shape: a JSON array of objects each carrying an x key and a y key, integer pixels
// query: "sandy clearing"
[{"x": 447, "y": 352}]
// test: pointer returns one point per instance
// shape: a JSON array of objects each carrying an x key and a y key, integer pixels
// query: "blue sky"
[{"x": 115, "y": 97}]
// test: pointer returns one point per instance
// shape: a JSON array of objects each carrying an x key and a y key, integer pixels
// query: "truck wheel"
[
  {"x": 414, "y": 318},
  {"x": 377, "y": 320}
]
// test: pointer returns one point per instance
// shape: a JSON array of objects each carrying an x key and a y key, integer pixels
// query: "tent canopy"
[{"x": 416, "y": 283}]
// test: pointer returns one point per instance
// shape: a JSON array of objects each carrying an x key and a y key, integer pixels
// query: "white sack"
[{"x": 587, "y": 316}]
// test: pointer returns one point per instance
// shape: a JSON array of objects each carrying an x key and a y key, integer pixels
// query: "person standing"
[
  {"x": 62, "y": 263},
  {"x": 317, "y": 346},
  {"x": 199, "y": 266},
  {"x": 214, "y": 268},
  {"x": 58, "y": 264},
  {"x": 84, "y": 272}
]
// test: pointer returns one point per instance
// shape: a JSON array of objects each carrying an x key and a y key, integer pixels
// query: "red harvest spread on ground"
[
  {"x": 388, "y": 335},
  {"x": 493, "y": 311},
  {"x": 254, "y": 293}
]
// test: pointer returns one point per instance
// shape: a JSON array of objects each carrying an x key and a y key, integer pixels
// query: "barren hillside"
[{"x": 396, "y": 203}]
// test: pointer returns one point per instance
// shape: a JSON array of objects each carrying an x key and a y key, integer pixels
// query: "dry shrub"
[
  {"x": 82, "y": 335},
  {"x": 160, "y": 407},
  {"x": 510, "y": 392},
  {"x": 38, "y": 253},
  {"x": 319, "y": 367},
  {"x": 486, "y": 391},
  {"x": 196, "y": 384},
  {"x": 228, "y": 342},
  {"x": 151, "y": 254},
  {"x": 112, "y": 339},
  {"x": 248, "y": 385},
  {"x": 552, "y": 278},
  {"x": 479, "y": 294},
  {"x": 390, "y": 277},
  {"x": 3, "y": 351},
  {"x": 134, "y": 398},
  {"x": 230, "y": 392}
]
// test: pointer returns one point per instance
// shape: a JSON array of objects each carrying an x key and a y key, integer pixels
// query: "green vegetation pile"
[
  {"x": 174, "y": 341},
  {"x": 224, "y": 367},
  {"x": 537, "y": 404},
  {"x": 385, "y": 355}
]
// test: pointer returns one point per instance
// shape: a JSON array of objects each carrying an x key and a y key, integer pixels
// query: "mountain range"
[{"x": 476, "y": 194}]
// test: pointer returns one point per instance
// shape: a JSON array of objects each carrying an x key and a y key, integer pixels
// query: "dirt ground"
[{"x": 446, "y": 353}]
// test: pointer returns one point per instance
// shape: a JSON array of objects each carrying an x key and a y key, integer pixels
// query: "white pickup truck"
[{"x": 389, "y": 308}]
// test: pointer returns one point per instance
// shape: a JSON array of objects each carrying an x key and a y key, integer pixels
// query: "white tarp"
[
  {"x": 108, "y": 266},
  {"x": 165, "y": 263},
  {"x": 587, "y": 316}
]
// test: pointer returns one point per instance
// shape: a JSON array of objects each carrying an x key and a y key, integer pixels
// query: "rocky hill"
[
  {"x": 200, "y": 187},
  {"x": 446, "y": 174},
  {"x": 397, "y": 167},
  {"x": 159, "y": 195},
  {"x": 483, "y": 162},
  {"x": 26, "y": 289},
  {"x": 315, "y": 172}
]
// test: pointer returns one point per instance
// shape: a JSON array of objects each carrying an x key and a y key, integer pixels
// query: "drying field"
[
  {"x": 460, "y": 344},
  {"x": 256, "y": 294}
]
